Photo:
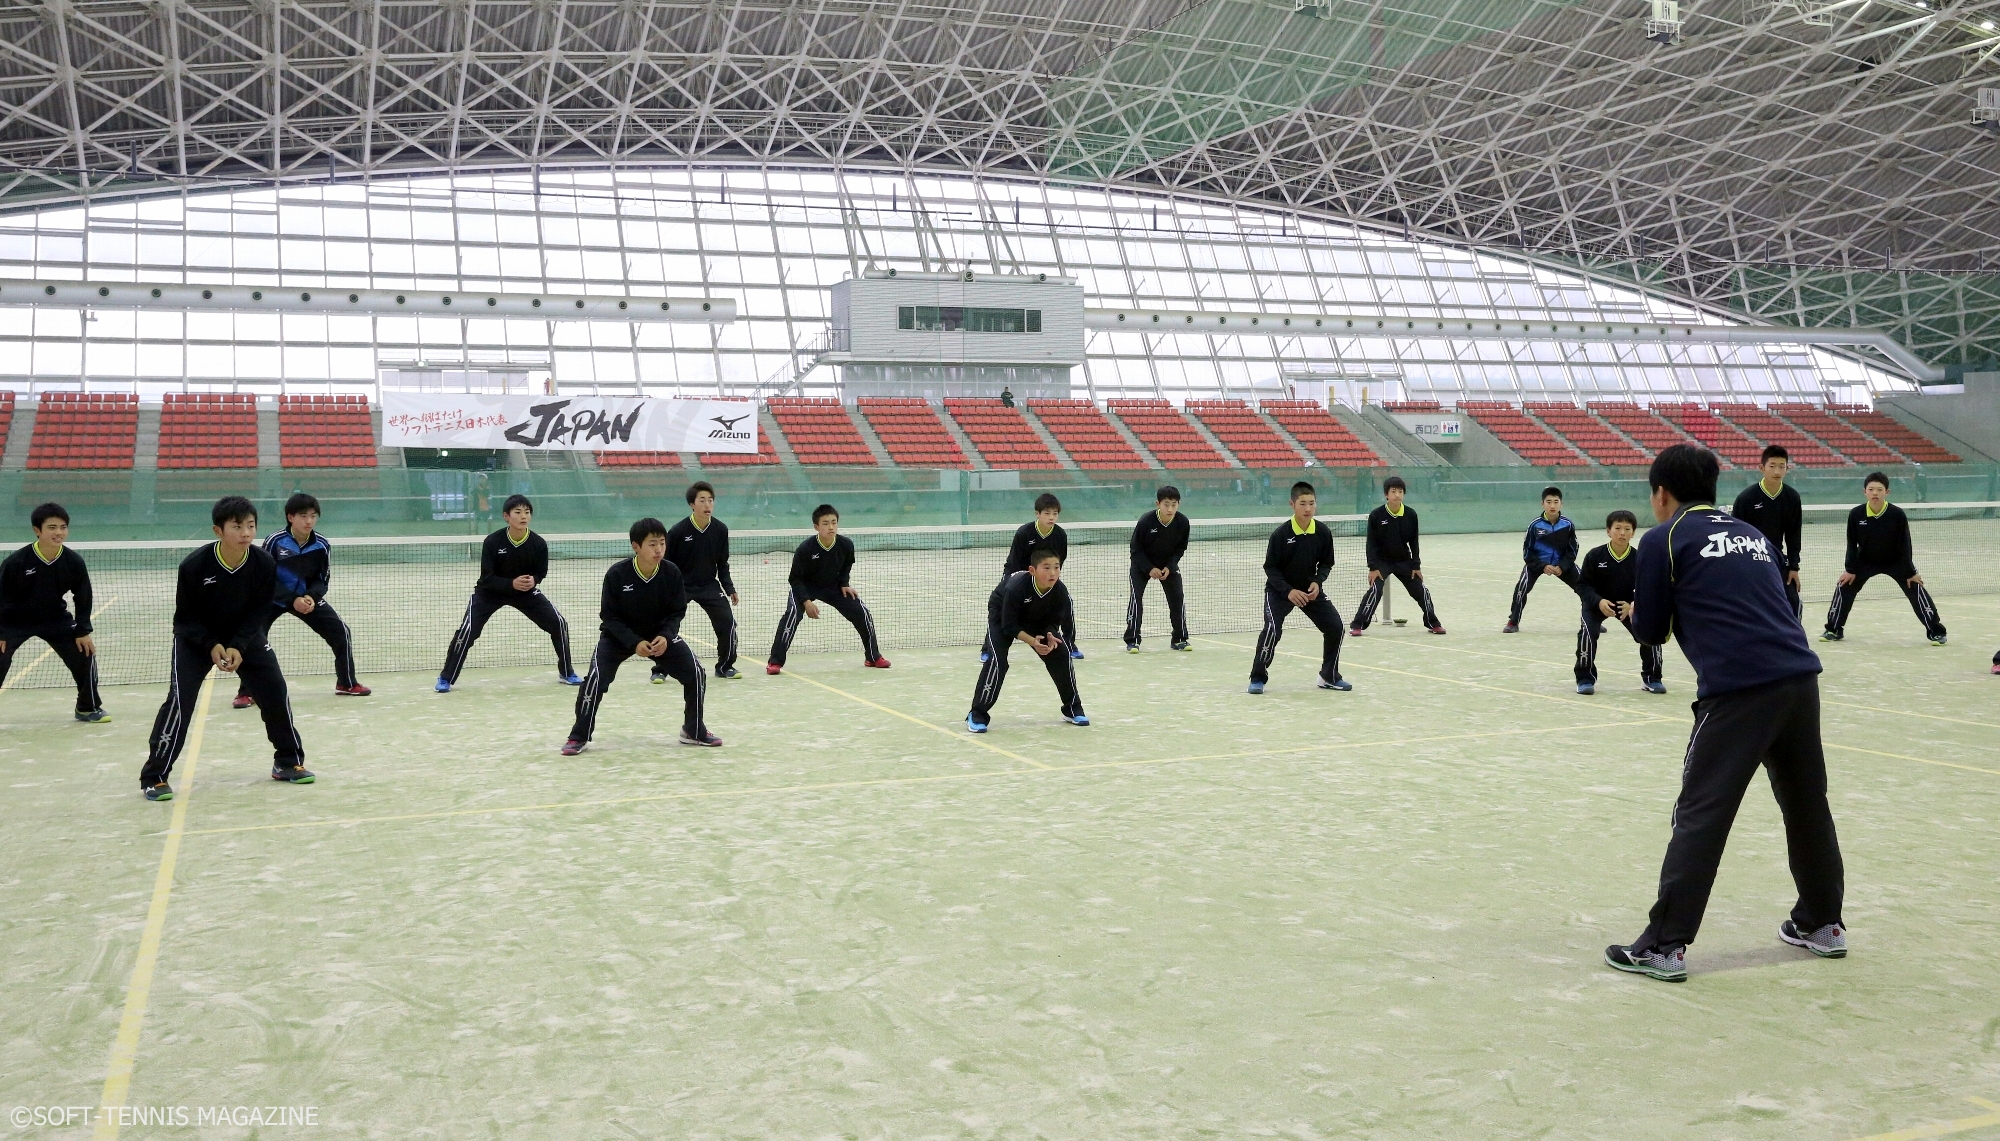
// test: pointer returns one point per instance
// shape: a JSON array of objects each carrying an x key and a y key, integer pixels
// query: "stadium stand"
[
  {"x": 766, "y": 453},
  {"x": 1890, "y": 431},
  {"x": 1767, "y": 429},
  {"x": 325, "y": 432},
  {"x": 1002, "y": 435},
  {"x": 1711, "y": 431},
  {"x": 1585, "y": 432},
  {"x": 1086, "y": 435},
  {"x": 1331, "y": 442},
  {"x": 76, "y": 430},
  {"x": 208, "y": 430},
  {"x": 1649, "y": 430},
  {"x": 1837, "y": 436},
  {"x": 912, "y": 432},
  {"x": 819, "y": 431},
  {"x": 638, "y": 460},
  {"x": 6, "y": 417},
  {"x": 1245, "y": 433},
  {"x": 1412, "y": 406},
  {"x": 1529, "y": 440},
  {"x": 1167, "y": 434}
]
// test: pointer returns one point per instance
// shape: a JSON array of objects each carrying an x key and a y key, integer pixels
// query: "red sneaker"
[
  {"x": 355, "y": 690},
  {"x": 773, "y": 668},
  {"x": 572, "y": 747},
  {"x": 243, "y": 701},
  {"x": 879, "y": 664},
  {"x": 1353, "y": 632},
  {"x": 1437, "y": 629}
]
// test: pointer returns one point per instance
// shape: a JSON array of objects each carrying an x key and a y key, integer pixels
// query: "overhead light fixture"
[
  {"x": 1986, "y": 25},
  {"x": 1986, "y": 116},
  {"x": 1664, "y": 26}
]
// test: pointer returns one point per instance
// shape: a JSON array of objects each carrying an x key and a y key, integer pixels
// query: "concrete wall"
[{"x": 1966, "y": 422}]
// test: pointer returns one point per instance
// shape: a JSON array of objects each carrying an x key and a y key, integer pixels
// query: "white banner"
[{"x": 567, "y": 423}]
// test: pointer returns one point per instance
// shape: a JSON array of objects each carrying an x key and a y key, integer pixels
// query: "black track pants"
[
  {"x": 1531, "y": 575},
  {"x": 722, "y": 619},
  {"x": 680, "y": 664},
  {"x": 266, "y": 682},
  {"x": 484, "y": 604},
  {"x": 993, "y": 674},
  {"x": 1135, "y": 606},
  {"x": 325, "y": 622},
  {"x": 1652, "y": 659},
  {"x": 82, "y": 666},
  {"x": 1920, "y": 602},
  {"x": 1364, "y": 614},
  {"x": 1775, "y": 725},
  {"x": 851, "y": 609},
  {"x": 1323, "y": 615}
]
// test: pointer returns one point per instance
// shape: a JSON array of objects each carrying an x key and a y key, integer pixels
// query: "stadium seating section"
[
  {"x": 1585, "y": 432},
  {"x": 1086, "y": 435},
  {"x": 1837, "y": 434},
  {"x": 208, "y": 430},
  {"x": 325, "y": 432},
  {"x": 1002, "y": 435},
  {"x": 912, "y": 433},
  {"x": 1331, "y": 443},
  {"x": 1765, "y": 428},
  {"x": 1530, "y": 440},
  {"x": 6, "y": 417},
  {"x": 1712, "y": 431},
  {"x": 1245, "y": 433},
  {"x": 1890, "y": 431},
  {"x": 1643, "y": 426},
  {"x": 75, "y": 430},
  {"x": 820, "y": 431},
  {"x": 1412, "y": 406},
  {"x": 1167, "y": 434},
  {"x": 638, "y": 459}
]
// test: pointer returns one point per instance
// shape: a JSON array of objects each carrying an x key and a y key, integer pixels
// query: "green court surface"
[{"x": 1376, "y": 914}]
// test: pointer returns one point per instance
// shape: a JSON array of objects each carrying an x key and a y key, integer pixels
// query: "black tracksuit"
[
  {"x": 306, "y": 570},
  {"x": 1157, "y": 546},
  {"x": 1392, "y": 551},
  {"x": 501, "y": 561},
  {"x": 1604, "y": 577},
  {"x": 1781, "y": 518},
  {"x": 1545, "y": 545},
  {"x": 635, "y": 609},
  {"x": 819, "y": 574},
  {"x": 31, "y": 606},
  {"x": 702, "y": 556},
  {"x": 216, "y": 606},
  {"x": 1880, "y": 544},
  {"x": 1014, "y": 608},
  {"x": 1028, "y": 539},
  {"x": 1712, "y": 582},
  {"x": 1296, "y": 560}
]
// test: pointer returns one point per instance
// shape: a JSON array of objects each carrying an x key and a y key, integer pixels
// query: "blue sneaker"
[
  {"x": 1343, "y": 685},
  {"x": 974, "y": 724},
  {"x": 1077, "y": 655},
  {"x": 1131, "y": 647},
  {"x": 1256, "y": 687},
  {"x": 1586, "y": 688},
  {"x": 442, "y": 686},
  {"x": 571, "y": 679},
  {"x": 1656, "y": 687},
  {"x": 984, "y": 657},
  {"x": 1079, "y": 719}
]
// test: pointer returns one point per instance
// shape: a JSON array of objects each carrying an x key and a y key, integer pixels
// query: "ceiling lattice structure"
[{"x": 1790, "y": 161}]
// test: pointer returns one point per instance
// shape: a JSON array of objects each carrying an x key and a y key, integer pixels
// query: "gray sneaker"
[
  {"x": 1668, "y": 966},
  {"x": 1829, "y": 942}
]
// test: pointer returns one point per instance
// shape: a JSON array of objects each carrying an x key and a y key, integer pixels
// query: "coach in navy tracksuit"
[
  {"x": 1715, "y": 583},
  {"x": 305, "y": 571},
  {"x": 1549, "y": 548}
]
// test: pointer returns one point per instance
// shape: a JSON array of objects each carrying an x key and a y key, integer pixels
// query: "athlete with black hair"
[
  {"x": 1878, "y": 543},
  {"x": 1159, "y": 539},
  {"x": 1296, "y": 562},
  {"x": 1392, "y": 551},
  {"x": 1027, "y": 607},
  {"x": 822, "y": 569},
  {"x": 305, "y": 570},
  {"x": 222, "y": 613},
  {"x": 1605, "y": 580},
  {"x": 513, "y": 561},
  {"x": 1042, "y": 533},
  {"x": 698, "y": 546},
  {"x": 1776, "y": 510},
  {"x": 1713, "y": 583},
  {"x": 33, "y": 582},
  {"x": 1549, "y": 548},
  {"x": 639, "y": 613}
]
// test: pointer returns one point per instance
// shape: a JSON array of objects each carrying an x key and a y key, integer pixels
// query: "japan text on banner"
[{"x": 567, "y": 423}]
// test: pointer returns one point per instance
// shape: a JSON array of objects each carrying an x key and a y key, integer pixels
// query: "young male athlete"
[
  {"x": 821, "y": 570},
  {"x": 512, "y": 564},
  {"x": 222, "y": 613},
  {"x": 1392, "y": 550},
  {"x": 305, "y": 569},
  {"x": 1605, "y": 581},
  {"x": 1776, "y": 510},
  {"x": 698, "y": 546},
  {"x": 640, "y": 613},
  {"x": 1713, "y": 582},
  {"x": 1878, "y": 542},
  {"x": 1296, "y": 563},
  {"x": 1027, "y": 607},
  {"x": 33, "y": 582},
  {"x": 1042, "y": 533},
  {"x": 1549, "y": 548},
  {"x": 1159, "y": 540}
]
